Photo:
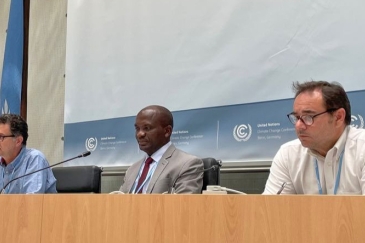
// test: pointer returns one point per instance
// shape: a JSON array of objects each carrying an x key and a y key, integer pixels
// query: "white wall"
[{"x": 46, "y": 87}]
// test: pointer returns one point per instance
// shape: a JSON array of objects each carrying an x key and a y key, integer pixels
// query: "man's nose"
[
  {"x": 140, "y": 133},
  {"x": 300, "y": 125}
]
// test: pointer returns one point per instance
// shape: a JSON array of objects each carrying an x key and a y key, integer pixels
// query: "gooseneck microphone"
[
  {"x": 214, "y": 167},
  {"x": 76, "y": 157}
]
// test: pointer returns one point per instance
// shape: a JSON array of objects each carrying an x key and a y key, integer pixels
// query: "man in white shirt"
[{"x": 329, "y": 155}]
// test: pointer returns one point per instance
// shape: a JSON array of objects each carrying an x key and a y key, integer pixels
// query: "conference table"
[{"x": 108, "y": 218}]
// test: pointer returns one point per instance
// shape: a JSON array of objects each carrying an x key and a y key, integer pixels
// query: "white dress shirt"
[{"x": 295, "y": 165}]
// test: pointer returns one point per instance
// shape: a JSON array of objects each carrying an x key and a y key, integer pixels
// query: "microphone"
[
  {"x": 84, "y": 154},
  {"x": 214, "y": 167}
]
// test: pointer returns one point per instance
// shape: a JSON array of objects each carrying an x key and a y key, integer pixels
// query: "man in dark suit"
[{"x": 165, "y": 167}]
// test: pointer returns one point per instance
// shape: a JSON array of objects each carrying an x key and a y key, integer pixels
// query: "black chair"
[
  {"x": 78, "y": 179},
  {"x": 212, "y": 176}
]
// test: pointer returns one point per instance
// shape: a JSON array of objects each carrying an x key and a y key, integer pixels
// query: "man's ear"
[
  {"x": 340, "y": 115},
  {"x": 19, "y": 140},
  {"x": 168, "y": 131}
]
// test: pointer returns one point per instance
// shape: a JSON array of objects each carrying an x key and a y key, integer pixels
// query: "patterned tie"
[{"x": 146, "y": 168}]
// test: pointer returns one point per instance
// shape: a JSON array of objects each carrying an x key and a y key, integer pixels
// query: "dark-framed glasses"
[
  {"x": 307, "y": 119},
  {"x": 2, "y": 137}
]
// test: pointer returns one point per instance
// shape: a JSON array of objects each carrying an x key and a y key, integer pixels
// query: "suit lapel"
[
  {"x": 134, "y": 174},
  {"x": 160, "y": 167}
]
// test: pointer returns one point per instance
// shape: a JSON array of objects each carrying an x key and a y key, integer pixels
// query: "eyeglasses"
[
  {"x": 307, "y": 119},
  {"x": 5, "y": 136}
]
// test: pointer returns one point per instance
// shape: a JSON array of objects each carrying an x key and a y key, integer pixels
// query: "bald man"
[{"x": 164, "y": 168}]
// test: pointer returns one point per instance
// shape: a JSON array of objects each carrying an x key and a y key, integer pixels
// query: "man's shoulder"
[
  {"x": 292, "y": 144},
  {"x": 293, "y": 147},
  {"x": 136, "y": 163},
  {"x": 181, "y": 153},
  {"x": 356, "y": 133},
  {"x": 33, "y": 152}
]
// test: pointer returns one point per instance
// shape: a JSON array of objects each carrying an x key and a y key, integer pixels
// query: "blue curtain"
[{"x": 11, "y": 80}]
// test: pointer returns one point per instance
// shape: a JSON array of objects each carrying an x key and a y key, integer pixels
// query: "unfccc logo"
[
  {"x": 357, "y": 121},
  {"x": 91, "y": 144},
  {"x": 242, "y": 132}
]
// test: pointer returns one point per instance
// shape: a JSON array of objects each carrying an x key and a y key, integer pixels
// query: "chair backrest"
[
  {"x": 211, "y": 177},
  {"x": 78, "y": 179}
]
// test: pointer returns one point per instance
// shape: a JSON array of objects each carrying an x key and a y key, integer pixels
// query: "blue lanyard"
[
  {"x": 337, "y": 177},
  {"x": 149, "y": 175}
]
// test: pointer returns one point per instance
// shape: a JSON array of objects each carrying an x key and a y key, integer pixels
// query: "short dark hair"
[
  {"x": 17, "y": 124},
  {"x": 334, "y": 96},
  {"x": 165, "y": 114}
]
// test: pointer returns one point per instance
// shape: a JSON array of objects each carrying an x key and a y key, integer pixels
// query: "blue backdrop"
[{"x": 237, "y": 133}]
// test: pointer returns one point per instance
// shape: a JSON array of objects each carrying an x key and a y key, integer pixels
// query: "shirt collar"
[
  {"x": 2, "y": 162},
  {"x": 15, "y": 162},
  {"x": 337, "y": 149},
  {"x": 156, "y": 156},
  {"x": 341, "y": 142}
]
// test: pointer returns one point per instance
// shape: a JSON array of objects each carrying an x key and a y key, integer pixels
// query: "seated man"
[
  {"x": 329, "y": 155},
  {"x": 16, "y": 160},
  {"x": 165, "y": 167}
]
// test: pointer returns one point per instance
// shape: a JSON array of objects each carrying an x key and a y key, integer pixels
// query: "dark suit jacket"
[{"x": 170, "y": 169}]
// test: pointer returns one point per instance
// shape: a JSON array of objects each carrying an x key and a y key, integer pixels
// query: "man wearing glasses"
[
  {"x": 329, "y": 155},
  {"x": 16, "y": 160}
]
